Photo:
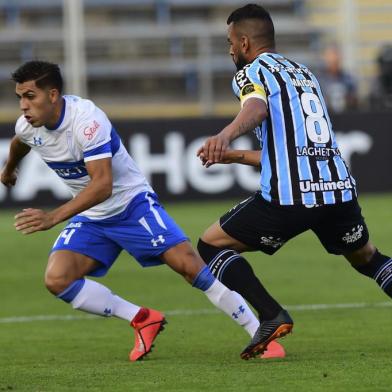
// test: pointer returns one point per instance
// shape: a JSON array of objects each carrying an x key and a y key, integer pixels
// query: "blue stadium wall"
[{"x": 165, "y": 150}]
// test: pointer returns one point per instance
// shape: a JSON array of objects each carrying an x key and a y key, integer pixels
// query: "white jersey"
[{"x": 84, "y": 133}]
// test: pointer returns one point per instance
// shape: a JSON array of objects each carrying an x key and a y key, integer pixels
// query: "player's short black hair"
[
  {"x": 254, "y": 11},
  {"x": 44, "y": 74}
]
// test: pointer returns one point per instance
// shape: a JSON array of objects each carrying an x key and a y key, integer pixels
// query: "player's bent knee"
[
  {"x": 184, "y": 260},
  {"x": 362, "y": 255},
  {"x": 56, "y": 283}
]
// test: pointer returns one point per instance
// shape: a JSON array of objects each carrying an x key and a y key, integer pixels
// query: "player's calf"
[
  {"x": 186, "y": 262},
  {"x": 378, "y": 268},
  {"x": 234, "y": 271}
]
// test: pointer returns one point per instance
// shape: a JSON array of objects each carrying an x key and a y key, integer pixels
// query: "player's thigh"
[
  {"x": 147, "y": 231},
  {"x": 261, "y": 225},
  {"x": 342, "y": 229},
  {"x": 217, "y": 237},
  {"x": 68, "y": 266},
  {"x": 88, "y": 241}
]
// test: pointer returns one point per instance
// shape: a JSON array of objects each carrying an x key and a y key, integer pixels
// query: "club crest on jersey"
[
  {"x": 37, "y": 141},
  {"x": 90, "y": 131}
]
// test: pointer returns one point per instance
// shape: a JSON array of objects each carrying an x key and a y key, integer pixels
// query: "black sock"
[
  {"x": 237, "y": 274},
  {"x": 379, "y": 268}
]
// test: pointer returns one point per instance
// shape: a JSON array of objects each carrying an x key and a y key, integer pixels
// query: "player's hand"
[
  {"x": 226, "y": 158},
  {"x": 31, "y": 220},
  {"x": 214, "y": 147},
  {"x": 204, "y": 161},
  {"x": 8, "y": 179}
]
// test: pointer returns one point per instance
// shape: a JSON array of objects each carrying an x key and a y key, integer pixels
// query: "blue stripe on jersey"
[
  {"x": 279, "y": 130},
  {"x": 104, "y": 148},
  {"x": 266, "y": 172},
  {"x": 115, "y": 141},
  {"x": 347, "y": 195},
  {"x": 301, "y": 138},
  {"x": 325, "y": 174},
  {"x": 73, "y": 170},
  {"x": 69, "y": 170},
  {"x": 235, "y": 88}
]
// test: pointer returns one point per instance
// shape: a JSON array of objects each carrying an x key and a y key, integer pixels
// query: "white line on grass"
[{"x": 196, "y": 312}]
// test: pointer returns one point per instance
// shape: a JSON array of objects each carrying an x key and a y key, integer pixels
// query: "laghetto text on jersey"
[{"x": 300, "y": 159}]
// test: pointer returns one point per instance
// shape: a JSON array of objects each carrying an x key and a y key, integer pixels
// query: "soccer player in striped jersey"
[
  {"x": 304, "y": 184},
  {"x": 113, "y": 208}
]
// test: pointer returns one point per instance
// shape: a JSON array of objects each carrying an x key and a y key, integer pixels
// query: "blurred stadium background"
[
  {"x": 161, "y": 70},
  {"x": 169, "y": 57}
]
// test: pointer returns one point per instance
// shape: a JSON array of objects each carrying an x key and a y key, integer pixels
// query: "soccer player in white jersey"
[
  {"x": 113, "y": 208},
  {"x": 304, "y": 182}
]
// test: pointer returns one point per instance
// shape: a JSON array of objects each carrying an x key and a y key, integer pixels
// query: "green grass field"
[{"x": 340, "y": 348}]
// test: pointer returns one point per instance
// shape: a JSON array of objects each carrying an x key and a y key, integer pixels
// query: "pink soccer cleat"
[{"x": 147, "y": 324}]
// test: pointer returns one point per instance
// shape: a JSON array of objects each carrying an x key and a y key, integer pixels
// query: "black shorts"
[{"x": 262, "y": 225}]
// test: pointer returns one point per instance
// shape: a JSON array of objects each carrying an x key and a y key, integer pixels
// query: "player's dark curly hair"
[
  {"x": 254, "y": 11},
  {"x": 44, "y": 74}
]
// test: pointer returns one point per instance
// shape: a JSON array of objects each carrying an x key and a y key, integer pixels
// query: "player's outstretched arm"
[
  {"x": 98, "y": 190},
  {"x": 250, "y": 116},
  {"x": 16, "y": 153},
  {"x": 245, "y": 157}
]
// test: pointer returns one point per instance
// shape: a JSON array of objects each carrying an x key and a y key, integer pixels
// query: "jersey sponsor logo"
[
  {"x": 90, "y": 132},
  {"x": 324, "y": 186},
  {"x": 353, "y": 236},
  {"x": 72, "y": 172},
  {"x": 320, "y": 153},
  {"x": 276, "y": 68}
]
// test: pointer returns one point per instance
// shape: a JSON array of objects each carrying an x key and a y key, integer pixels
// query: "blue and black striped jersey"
[{"x": 300, "y": 159}]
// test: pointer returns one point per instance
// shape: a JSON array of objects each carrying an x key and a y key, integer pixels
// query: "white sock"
[
  {"x": 233, "y": 305},
  {"x": 253, "y": 322},
  {"x": 97, "y": 299}
]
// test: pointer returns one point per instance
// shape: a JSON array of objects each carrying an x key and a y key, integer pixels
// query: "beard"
[{"x": 241, "y": 62}]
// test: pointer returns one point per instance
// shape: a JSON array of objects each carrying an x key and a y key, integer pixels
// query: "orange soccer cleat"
[
  {"x": 147, "y": 325},
  {"x": 268, "y": 331}
]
